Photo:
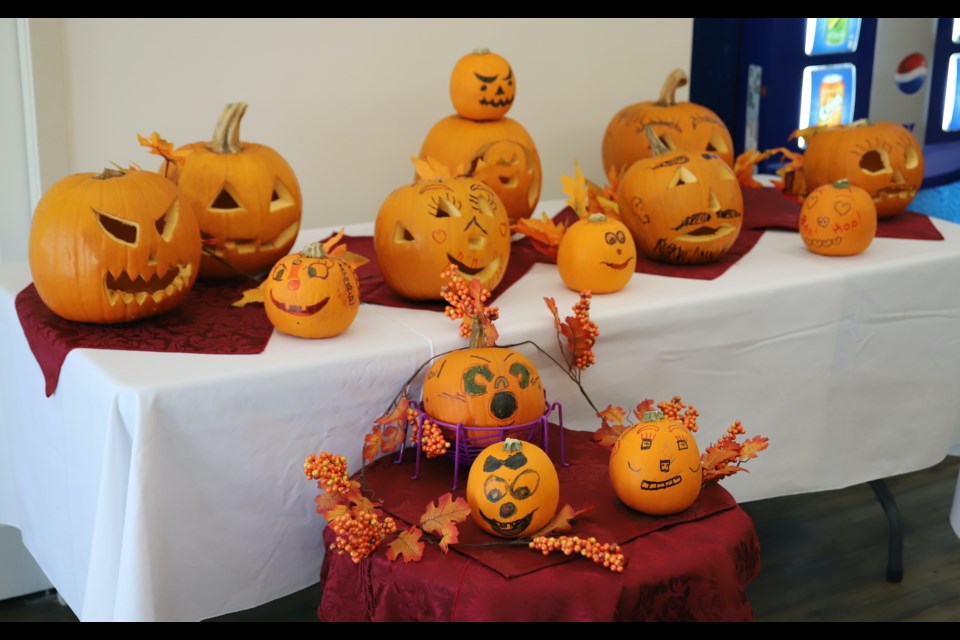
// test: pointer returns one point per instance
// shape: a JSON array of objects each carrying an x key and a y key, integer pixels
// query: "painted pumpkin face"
[
  {"x": 114, "y": 247},
  {"x": 883, "y": 159},
  {"x": 482, "y": 86},
  {"x": 513, "y": 489},
  {"x": 655, "y": 466},
  {"x": 684, "y": 208},
  {"x": 311, "y": 294},
  {"x": 838, "y": 220},
  {"x": 422, "y": 228},
  {"x": 597, "y": 254}
]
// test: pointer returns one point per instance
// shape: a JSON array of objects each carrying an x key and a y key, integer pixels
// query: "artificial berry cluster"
[
  {"x": 674, "y": 410},
  {"x": 330, "y": 470},
  {"x": 606, "y": 553},
  {"x": 433, "y": 444},
  {"x": 466, "y": 302},
  {"x": 585, "y": 356},
  {"x": 734, "y": 430},
  {"x": 359, "y": 533}
]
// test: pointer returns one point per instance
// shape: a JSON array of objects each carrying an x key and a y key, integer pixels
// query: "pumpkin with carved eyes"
[
  {"x": 114, "y": 247},
  {"x": 513, "y": 489},
  {"x": 423, "y": 227},
  {"x": 883, "y": 159},
  {"x": 680, "y": 126},
  {"x": 249, "y": 196},
  {"x": 838, "y": 220},
  {"x": 311, "y": 294},
  {"x": 482, "y": 86},
  {"x": 483, "y": 387},
  {"x": 597, "y": 253},
  {"x": 682, "y": 207},
  {"x": 655, "y": 466}
]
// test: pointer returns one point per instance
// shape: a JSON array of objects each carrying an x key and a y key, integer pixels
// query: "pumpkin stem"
[
  {"x": 512, "y": 444},
  {"x": 597, "y": 217},
  {"x": 656, "y": 144},
  {"x": 862, "y": 122},
  {"x": 314, "y": 250},
  {"x": 108, "y": 173},
  {"x": 226, "y": 136},
  {"x": 668, "y": 92},
  {"x": 481, "y": 52},
  {"x": 652, "y": 416},
  {"x": 842, "y": 183}
]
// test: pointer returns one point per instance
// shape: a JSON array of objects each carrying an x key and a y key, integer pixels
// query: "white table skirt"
[{"x": 167, "y": 486}]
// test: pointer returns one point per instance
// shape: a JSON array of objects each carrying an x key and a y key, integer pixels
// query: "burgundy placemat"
[
  {"x": 585, "y": 482},
  {"x": 205, "y": 323},
  {"x": 771, "y": 209}
]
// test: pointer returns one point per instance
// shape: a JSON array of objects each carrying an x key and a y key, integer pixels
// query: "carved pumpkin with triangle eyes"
[
  {"x": 311, "y": 294},
  {"x": 249, "y": 196},
  {"x": 423, "y": 227},
  {"x": 655, "y": 466},
  {"x": 114, "y": 247},
  {"x": 513, "y": 489},
  {"x": 597, "y": 253},
  {"x": 482, "y": 86}
]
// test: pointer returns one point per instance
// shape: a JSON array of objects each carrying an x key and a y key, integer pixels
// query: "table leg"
[{"x": 895, "y": 549}]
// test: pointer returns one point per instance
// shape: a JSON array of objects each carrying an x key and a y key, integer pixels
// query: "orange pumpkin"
[
  {"x": 500, "y": 153},
  {"x": 482, "y": 86},
  {"x": 681, "y": 207},
  {"x": 513, "y": 489},
  {"x": 598, "y": 254},
  {"x": 311, "y": 294},
  {"x": 883, "y": 159},
  {"x": 655, "y": 466},
  {"x": 249, "y": 196},
  {"x": 423, "y": 227},
  {"x": 114, "y": 247},
  {"x": 838, "y": 220},
  {"x": 680, "y": 126}
]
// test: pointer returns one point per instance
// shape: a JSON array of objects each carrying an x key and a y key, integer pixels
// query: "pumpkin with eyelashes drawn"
[{"x": 114, "y": 247}]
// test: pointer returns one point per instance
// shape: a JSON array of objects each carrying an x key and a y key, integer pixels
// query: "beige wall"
[{"x": 348, "y": 101}]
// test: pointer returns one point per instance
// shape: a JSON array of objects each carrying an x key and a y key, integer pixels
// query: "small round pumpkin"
[
  {"x": 883, "y": 159},
  {"x": 513, "y": 489},
  {"x": 838, "y": 220},
  {"x": 683, "y": 207},
  {"x": 680, "y": 126},
  {"x": 311, "y": 294},
  {"x": 114, "y": 247},
  {"x": 598, "y": 254},
  {"x": 655, "y": 466},
  {"x": 250, "y": 201},
  {"x": 482, "y": 86}
]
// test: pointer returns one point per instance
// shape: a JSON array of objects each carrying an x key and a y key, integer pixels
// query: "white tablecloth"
[{"x": 167, "y": 486}]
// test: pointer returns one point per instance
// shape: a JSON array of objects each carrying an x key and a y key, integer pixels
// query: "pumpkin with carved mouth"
[
  {"x": 655, "y": 466},
  {"x": 598, "y": 254},
  {"x": 681, "y": 207},
  {"x": 482, "y": 86},
  {"x": 513, "y": 489},
  {"x": 423, "y": 227},
  {"x": 114, "y": 247},
  {"x": 250, "y": 199}
]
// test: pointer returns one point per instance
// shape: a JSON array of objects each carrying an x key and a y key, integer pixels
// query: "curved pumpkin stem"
[
  {"x": 482, "y": 51},
  {"x": 226, "y": 136},
  {"x": 668, "y": 92},
  {"x": 842, "y": 183},
  {"x": 656, "y": 144},
  {"x": 512, "y": 444},
  {"x": 108, "y": 173},
  {"x": 314, "y": 250}
]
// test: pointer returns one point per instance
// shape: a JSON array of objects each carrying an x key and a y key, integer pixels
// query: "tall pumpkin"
[
  {"x": 249, "y": 197},
  {"x": 680, "y": 126}
]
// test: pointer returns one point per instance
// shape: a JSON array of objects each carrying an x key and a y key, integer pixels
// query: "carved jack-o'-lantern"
[
  {"x": 421, "y": 228},
  {"x": 883, "y": 159},
  {"x": 680, "y": 126},
  {"x": 114, "y": 247},
  {"x": 838, "y": 220},
  {"x": 311, "y": 294},
  {"x": 513, "y": 489},
  {"x": 250, "y": 199},
  {"x": 597, "y": 253},
  {"x": 655, "y": 466},
  {"x": 482, "y": 86},
  {"x": 682, "y": 207}
]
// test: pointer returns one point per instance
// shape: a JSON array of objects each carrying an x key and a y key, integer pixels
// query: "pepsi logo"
[{"x": 911, "y": 73}]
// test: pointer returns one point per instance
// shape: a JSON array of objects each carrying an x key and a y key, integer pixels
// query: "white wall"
[
  {"x": 14, "y": 179},
  {"x": 347, "y": 101}
]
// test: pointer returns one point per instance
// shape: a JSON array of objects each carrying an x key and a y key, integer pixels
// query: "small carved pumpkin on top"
[{"x": 597, "y": 254}]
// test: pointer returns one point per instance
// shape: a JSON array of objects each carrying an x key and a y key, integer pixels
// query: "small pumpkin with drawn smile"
[
  {"x": 513, "y": 489},
  {"x": 655, "y": 466},
  {"x": 597, "y": 253},
  {"x": 311, "y": 294}
]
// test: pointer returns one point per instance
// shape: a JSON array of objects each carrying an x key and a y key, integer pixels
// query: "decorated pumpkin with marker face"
[
  {"x": 682, "y": 207},
  {"x": 513, "y": 489},
  {"x": 655, "y": 466},
  {"x": 484, "y": 387},
  {"x": 838, "y": 220},
  {"x": 421, "y": 228},
  {"x": 114, "y": 247},
  {"x": 311, "y": 294},
  {"x": 597, "y": 253},
  {"x": 482, "y": 86}
]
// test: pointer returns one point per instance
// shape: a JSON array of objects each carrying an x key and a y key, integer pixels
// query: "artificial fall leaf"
[
  {"x": 429, "y": 168},
  {"x": 392, "y": 438},
  {"x": 744, "y": 165},
  {"x": 355, "y": 260},
  {"x": 445, "y": 511},
  {"x": 363, "y": 504},
  {"x": 255, "y": 295},
  {"x": 578, "y": 341},
  {"x": 752, "y": 446},
  {"x": 398, "y": 416},
  {"x": 407, "y": 545},
  {"x": 160, "y": 147},
  {"x": 716, "y": 457},
  {"x": 545, "y": 234},
  {"x": 607, "y": 435},
  {"x": 712, "y": 475},
  {"x": 327, "y": 501},
  {"x": 643, "y": 407},
  {"x": 372, "y": 444},
  {"x": 613, "y": 415},
  {"x": 576, "y": 188},
  {"x": 332, "y": 241},
  {"x": 552, "y": 306},
  {"x": 338, "y": 511},
  {"x": 561, "y": 521}
]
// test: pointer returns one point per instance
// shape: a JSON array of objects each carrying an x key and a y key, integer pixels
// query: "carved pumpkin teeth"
[
  {"x": 156, "y": 288},
  {"x": 707, "y": 233},
  {"x": 247, "y": 245}
]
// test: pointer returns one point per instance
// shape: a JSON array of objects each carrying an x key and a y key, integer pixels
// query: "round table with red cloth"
[{"x": 691, "y": 566}]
